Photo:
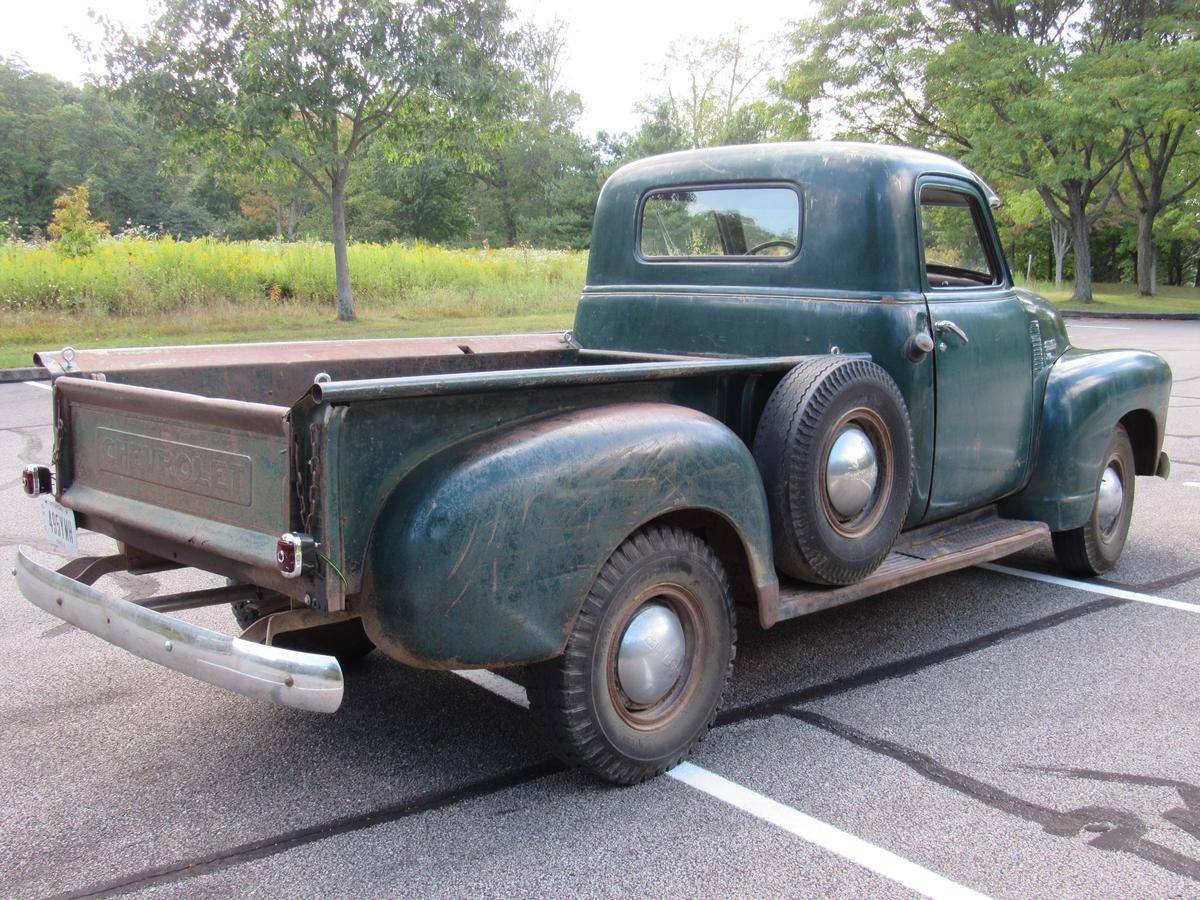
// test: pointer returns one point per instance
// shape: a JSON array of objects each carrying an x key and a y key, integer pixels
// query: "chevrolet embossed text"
[{"x": 197, "y": 470}]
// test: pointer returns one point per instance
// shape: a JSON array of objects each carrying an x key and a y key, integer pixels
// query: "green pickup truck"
[{"x": 799, "y": 375}]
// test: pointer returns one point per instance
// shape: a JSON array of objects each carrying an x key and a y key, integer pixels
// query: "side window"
[
  {"x": 720, "y": 222},
  {"x": 956, "y": 240}
]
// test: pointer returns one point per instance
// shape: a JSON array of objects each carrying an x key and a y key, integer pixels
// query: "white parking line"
[
  {"x": 1098, "y": 327},
  {"x": 497, "y": 684},
  {"x": 1104, "y": 589},
  {"x": 1191, "y": 484},
  {"x": 842, "y": 843},
  {"x": 38, "y": 384}
]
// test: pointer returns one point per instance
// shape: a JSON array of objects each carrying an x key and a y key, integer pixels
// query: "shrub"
[{"x": 74, "y": 231}]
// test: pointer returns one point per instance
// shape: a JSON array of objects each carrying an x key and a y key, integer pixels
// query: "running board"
[{"x": 957, "y": 543}]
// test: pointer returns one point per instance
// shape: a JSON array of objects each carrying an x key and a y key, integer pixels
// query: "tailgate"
[{"x": 206, "y": 474}]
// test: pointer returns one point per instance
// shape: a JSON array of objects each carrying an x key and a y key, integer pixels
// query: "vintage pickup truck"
[{"x": 799, "y": 375}]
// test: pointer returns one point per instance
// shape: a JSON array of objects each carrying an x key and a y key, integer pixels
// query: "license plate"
[{"x": 59, "y": 524}]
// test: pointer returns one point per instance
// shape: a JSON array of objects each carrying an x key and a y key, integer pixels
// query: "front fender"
[
  {"x": 1088, "y": 392},
  {"x": 484, "y": 554}
]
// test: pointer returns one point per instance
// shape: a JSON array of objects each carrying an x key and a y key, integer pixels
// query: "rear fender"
[
  {"x": 483, "y": 556},
  {"x": 1088, "y": 393}
]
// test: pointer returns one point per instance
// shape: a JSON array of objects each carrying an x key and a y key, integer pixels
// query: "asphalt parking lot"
[{"x": 989, "y": 731}]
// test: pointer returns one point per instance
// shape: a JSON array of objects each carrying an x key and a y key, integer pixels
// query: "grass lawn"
[
  {"x": 1124, "y": 298},
  {"x": 23, "y": 334},
  {"x": 133, "y": 292}
]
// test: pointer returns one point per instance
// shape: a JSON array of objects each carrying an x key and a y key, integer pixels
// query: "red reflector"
[
  {"x": 36, "y": 480},
  {"x": 295, "y": 554},
  {"x": 285, "y": 555}
]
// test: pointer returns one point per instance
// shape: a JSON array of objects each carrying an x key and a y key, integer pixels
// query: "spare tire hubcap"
[
  {"x": 651, "y": 656},
  {"x": 851, "y": 472}
]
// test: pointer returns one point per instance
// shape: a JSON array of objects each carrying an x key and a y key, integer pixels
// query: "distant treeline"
[{"x": 1086, "y": 118}]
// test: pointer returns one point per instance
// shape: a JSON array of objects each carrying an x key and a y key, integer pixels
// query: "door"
[{"x": 982, "y": 352}]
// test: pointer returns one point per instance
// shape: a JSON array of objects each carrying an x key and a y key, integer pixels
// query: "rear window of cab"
[{"x": 729, "y": 222}]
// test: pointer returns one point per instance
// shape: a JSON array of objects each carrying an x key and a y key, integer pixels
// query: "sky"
[{"x": 612, "y": 50}]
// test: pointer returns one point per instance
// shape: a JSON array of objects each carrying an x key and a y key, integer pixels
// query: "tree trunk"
[
  {"x": 1081, "y": 243},
  {"x": 1060, "y": 240},
  {"x": 345, "y": 298},
  {"x": 1197, "y": 281},
  {"x": 293, "y": 220},
  {"x": 1146, "y": 286},
  {"x": 510, "y": 224}
]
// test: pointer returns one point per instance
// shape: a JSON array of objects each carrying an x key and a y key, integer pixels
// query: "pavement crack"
[
  {"x": 1185, "y": 818},
  {"x": 1150, "y": 587},
  {"x": 281, "y": 843},
  {"x": 1116, "y": 830}
]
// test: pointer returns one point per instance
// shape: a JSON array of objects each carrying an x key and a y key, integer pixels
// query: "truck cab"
[{"x": 878, "y": 245}]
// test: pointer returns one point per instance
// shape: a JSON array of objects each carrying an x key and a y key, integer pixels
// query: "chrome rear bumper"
[{"x": 307, "y": 681}]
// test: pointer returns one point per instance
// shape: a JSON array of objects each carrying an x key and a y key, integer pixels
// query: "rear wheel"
[
  {"x": 1095, "y": 547},
  {"x": 647, "y": 662}
]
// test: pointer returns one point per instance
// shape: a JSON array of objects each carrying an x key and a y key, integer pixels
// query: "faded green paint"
[
  {"x": 380, "y": 442},
  {"x": 748, "y": 324},
  {"x": 1087, "y": 393},
  {"x": 484, "y": 553}
]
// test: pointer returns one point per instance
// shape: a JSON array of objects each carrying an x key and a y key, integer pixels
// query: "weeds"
[{"x": 134, "y": 277}]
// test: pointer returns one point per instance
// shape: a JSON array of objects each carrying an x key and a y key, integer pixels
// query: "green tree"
[
  {"x": 73, "y": 229},
  {"x": 659, "y": 132},
  {"x": 539, "y": 184},
  {"x": 1036, "y": 104},
  {"x": 1015, "y": 89},
  {"x": 54, "y": 136},
  {"x": 715, "y": 92},
  {"x": 427, "y": 200},
  {"x": 127, "y": 161},
  {"x": 313, "y": 82},
  {"x": 867, "y": 62},
  {"x": 28, "y": 105},
  {"x": 1156, "y": 62}
]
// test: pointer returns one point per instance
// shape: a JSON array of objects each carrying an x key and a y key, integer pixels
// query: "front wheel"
[
  {"x": 647, "y": 663},
  {"x": 1095, "y": 547}
]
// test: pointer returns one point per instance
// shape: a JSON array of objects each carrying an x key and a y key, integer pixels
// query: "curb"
[
  {"x": 33, "y": 373},
  {"x": 1149, "y": 317}
]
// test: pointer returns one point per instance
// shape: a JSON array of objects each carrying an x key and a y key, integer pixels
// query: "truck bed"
[
  {"x": 206, "y": 455},
  {"x": 280, "y": 372}
]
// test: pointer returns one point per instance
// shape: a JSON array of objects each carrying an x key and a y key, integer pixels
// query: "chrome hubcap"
[
  {"x": 1110, "y": 499},
  {"x": 851, "y": 472},
  {"x": 651, "y": 656}
]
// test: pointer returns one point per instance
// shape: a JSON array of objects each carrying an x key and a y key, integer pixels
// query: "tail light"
[
  {"x": 36, "y": 480},
  {"x": 296, "y": 554}
]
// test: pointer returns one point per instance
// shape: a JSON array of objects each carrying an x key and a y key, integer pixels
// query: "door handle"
[{"x": 947, "y": 325}]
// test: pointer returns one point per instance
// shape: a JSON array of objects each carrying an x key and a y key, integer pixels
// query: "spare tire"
[{"x": 834, "y": 446}]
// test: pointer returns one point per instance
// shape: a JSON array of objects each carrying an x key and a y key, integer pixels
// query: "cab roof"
[{"x": 858, "y": 215}]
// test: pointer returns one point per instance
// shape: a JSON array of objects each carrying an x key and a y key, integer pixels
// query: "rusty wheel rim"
[
  {"x": 872, "y": 425},
  {"x": 652, "y": 716}
]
